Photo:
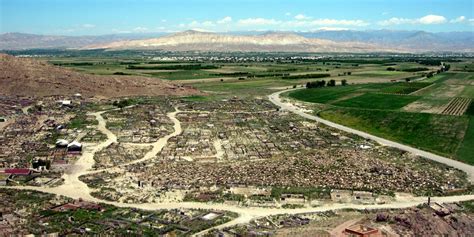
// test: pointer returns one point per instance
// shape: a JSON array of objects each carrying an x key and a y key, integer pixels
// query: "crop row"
[{"x": 457, "y": 106}]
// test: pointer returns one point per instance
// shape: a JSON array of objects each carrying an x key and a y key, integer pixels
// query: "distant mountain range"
[
  {"x": 18, "y": 41},
  {"x": 318, "y": 41},
  {"x": 267, "y": 42},
  {"x": 420, "y": 41}
]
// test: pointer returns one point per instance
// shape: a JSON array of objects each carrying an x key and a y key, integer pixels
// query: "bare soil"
[{"x": 34, "y": 78}]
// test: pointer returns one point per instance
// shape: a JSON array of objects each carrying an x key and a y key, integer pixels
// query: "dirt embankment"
[{"x": 30, "y": 77}]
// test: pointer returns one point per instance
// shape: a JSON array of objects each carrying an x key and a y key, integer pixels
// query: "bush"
[{"x": 316, "y": 84}]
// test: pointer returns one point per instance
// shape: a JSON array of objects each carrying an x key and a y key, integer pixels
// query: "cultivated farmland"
[{"x": 457, "y": 106}]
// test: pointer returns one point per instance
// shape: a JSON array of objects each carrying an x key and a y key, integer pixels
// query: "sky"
[{"x": 97, "y": 17}]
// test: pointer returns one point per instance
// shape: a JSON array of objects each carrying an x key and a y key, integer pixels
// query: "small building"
[
  {"x": 338, "y": 195},
  {"x": 288, "y": 198},
  {"x": 363, "y": 197},
  {"x": 74, "y": 146},
  {"x": 66, "y": 103}
]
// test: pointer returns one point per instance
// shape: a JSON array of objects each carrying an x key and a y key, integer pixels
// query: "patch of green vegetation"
[
  {"x": 173, "y": 67},
  {"x": 404, "y": 88},
  {"x": 127, "y": 102},
  {"x": 80, "y": 121},
  {"x": 470, "y": 109},
  {"x": 433, "y": 132},
  {"x": 415, "y": 69},
  {"x": 182, "y": 75},
  {"x": 468, "y": 92},
  {"x": 196, "y": 98},
  {"x": 233, "y": 197},
  {"x": 465, "y": 152},
  {"x": 468, "y": 206},
  {"x": 377, "y": 101},
  {"x": 252, "y": 87},
  {"x": 307, "y": 76}
]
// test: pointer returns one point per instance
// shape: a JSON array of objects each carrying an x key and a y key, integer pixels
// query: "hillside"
[
  {"x": 29, "y": 77},
  {"x": 269, "y": 42}
]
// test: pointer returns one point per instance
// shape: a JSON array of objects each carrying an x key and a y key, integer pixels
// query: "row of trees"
[{"x": 322, "y": 83}]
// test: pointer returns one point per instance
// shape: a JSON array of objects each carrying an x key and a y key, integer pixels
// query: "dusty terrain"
[{"x": 28, "y": 77}]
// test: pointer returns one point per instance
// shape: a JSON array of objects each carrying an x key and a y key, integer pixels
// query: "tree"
[
  {"x": 447, "y": 67},
  {"x": 332, "y": 82},
  {"x": 344, "y": 82},
  {"x": 407, "y": 79},
  {"x": 322, "y": 83}
]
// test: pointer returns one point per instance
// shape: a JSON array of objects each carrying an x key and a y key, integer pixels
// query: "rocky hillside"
[{"x": 29, "y": 77}]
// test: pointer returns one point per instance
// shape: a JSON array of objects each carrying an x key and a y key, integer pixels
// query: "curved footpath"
[
  {"x": 469, "y": 169},
  {"x": 74, "y": 188}
]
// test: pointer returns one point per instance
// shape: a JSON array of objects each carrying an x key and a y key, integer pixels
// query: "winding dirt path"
[{"x": 156, "y": 146}]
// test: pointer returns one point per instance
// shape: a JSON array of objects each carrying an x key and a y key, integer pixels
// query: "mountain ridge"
[{"x": 313, "y": 41}]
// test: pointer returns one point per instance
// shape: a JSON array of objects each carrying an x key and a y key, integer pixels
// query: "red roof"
[{"x": 18, "y": 171}]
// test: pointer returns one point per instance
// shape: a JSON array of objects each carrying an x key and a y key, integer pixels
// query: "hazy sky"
[{"x": 92, "y": 17}]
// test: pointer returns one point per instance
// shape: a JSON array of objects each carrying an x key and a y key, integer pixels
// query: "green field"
[
  {"x": 362, "y": 95},
  {"x": 324, "y": 95},
  {"x": 377, "y": 101},
  {"x": 466, "y": 150},
  {"x": 437, "y": 133}
]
